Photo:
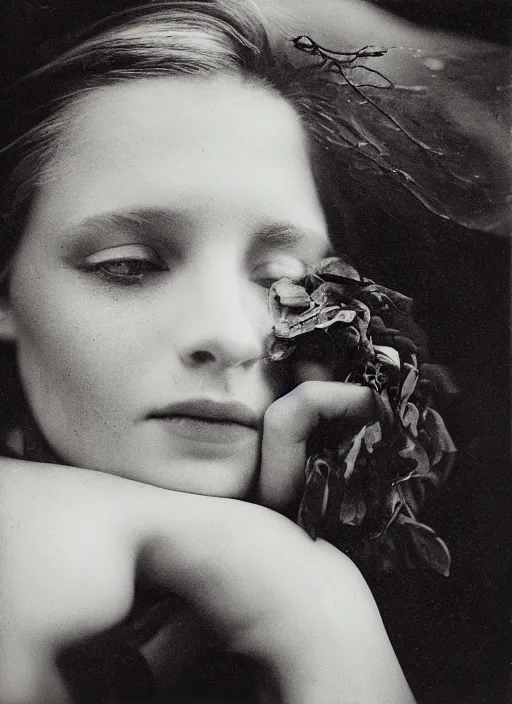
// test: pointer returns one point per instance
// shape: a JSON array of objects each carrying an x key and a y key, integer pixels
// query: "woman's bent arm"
[
  {"x": 300, "y": 607},
  {"x": 73, "y": 539}
]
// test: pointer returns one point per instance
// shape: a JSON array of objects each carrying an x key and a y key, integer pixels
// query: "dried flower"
[{"x": 364, "y": 492}]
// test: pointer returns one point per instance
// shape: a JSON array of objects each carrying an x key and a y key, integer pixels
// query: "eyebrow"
[
  {"x": 287, "y": 234},
  {"x": 89, "y": 233},
  {"x": 131, "y": 221},
  {"x": 158, "y": 222}
]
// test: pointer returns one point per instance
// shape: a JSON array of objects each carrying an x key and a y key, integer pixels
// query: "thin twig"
[{"x": 305, "y": 44}]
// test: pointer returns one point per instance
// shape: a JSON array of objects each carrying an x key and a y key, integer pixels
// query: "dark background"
[
  {"x": 453, "y": 636},
  {"x": 486, "y": 19}
]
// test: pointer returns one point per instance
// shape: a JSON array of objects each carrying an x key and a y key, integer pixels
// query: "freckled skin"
[{"x": 225, "y": 160}]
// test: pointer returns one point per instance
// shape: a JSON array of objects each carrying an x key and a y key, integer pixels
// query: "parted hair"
[
  {"x": 174, "y": 38},
  {"x": 188, "y": 37}
]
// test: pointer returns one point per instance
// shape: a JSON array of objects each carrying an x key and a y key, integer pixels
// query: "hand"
[
  {"x": 287, "y": 426},
  {"x": 290, "y": 420}
]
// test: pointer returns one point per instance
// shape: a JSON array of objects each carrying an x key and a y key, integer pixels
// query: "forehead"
[
  {"x": 181, "y": 110},
  {"x": 217, "y": 145}
]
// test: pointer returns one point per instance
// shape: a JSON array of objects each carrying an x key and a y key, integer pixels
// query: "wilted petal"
[
  {"x": 387, "y": 355},
  {"x": 280, "y": 349},
  {"x": 282, "y": 329},
  {"x": 291, "y": 294},
  {"x": 412, "y": 491},
  {"x": 352, "y": 454},
  {"x": 444, "y": 468},
  {"x": 415, "y": 452},
  {"x": 302, "y": 324},
  {"x": 342, "y": 316},
  {"x": 441, "y": 442},
  {"x": 409, "y": 384},
  {"x": 372, "y": 435},
  {"x": 337, "y": 267},
  {"x": 432, "y": 551},
  {"x": 410, "y": 417},
  {"x": 315, "y": 498}
]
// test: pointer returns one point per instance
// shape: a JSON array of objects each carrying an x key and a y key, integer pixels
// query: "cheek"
[
  {"x": 72, "y": 349},
  {"x": 83, "y": 351}
]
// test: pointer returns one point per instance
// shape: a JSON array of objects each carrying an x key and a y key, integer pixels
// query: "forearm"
[
  {"x": 28, "y": 673},
  {"x": 300, "y": 608},
  {"x": 297, "y": 606}
]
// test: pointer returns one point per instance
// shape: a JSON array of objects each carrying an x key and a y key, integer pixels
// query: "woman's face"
[{"x": 138, "y": 298}]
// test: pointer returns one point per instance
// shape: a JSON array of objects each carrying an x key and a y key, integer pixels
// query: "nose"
[{"x": 224, "y": 320}]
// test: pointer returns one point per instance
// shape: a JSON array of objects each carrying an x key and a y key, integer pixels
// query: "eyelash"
[
  {"x": 266, "y": 282},
  {"x": 281, "y": 271},
  {"x": 143, "y": 268}
]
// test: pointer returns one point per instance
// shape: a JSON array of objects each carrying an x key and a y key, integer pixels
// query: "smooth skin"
[
  {"x": 142, "y": 280},
  {"x": 72, "y": 539}
]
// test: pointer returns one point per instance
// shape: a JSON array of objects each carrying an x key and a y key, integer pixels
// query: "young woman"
[{"x": 168, "y": 168}]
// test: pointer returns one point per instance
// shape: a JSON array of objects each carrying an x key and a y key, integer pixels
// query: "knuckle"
[
  {"x": 308, "y": 391},
  {"x": 284, "y": 409},
  {"x": 273, "y": 416}
]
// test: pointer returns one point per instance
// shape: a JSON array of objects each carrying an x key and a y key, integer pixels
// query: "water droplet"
[{"x": 434, "y": 64}]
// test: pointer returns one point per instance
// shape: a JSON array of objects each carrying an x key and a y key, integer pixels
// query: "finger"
[{"x": 290, "y": 420}]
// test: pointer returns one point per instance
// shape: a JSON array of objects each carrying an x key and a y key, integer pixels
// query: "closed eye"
[
  {"x": 125, "y": 264},
  {"x": 125, "y": 270},
  {"x": 267, "y": 273}
]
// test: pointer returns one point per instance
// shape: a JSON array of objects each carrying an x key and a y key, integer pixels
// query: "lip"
[{"x": 209, "y": 410}]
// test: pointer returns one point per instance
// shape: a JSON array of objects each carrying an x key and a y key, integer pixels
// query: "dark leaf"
[
  {"x": 440, "y": 441},
  {"x": 431, "y": 550},
  {"x": 280, "y": 349},
  {"x": 316, "y": 495},
  {"x": 353, "y": 506},
  {"x": 352, "y": 454},
  {"x": 440, "y": 377}
]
